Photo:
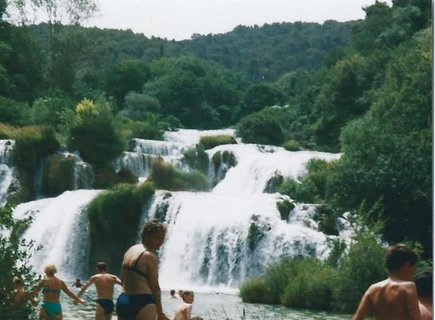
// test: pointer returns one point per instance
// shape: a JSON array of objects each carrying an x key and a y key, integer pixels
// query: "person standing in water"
[
  {"x": 51, "y": 286},
  {"x": 105, "y": 283},
  {"x": 395, "y": 297},
  {"x": 141, "y": 299},
  {"x": 184, "y": 311}
]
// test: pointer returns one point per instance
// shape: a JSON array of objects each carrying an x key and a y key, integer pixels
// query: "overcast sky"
[{"x": 179, "y": 19}]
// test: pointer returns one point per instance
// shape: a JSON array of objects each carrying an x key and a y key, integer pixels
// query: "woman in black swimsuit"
[{"x": 141, "y": 297}]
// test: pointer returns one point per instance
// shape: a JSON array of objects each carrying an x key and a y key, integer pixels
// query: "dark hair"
[
  {"x": 151, "y": 229},
  {"x": 172, "y": 292},
  {"x": 424, "y": 284},
  {"x": 398, "y": 255},
  {"x": 102, "y": 266}
]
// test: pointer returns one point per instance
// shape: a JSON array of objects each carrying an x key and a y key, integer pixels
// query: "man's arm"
[
  {"x": 412, "y": 302},
  {"x": 91, "y": 281},
  {"x": 363, "y": 308},
  {"x": 117, "y": 280},
  {"x": 71, "y": 294}
]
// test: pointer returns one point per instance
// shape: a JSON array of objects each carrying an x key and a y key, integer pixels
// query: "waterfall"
[
  {"x": 220, "y": 238},
  {"x": 59, "y": 225},
  {"x": 142, "y": 152},
  {"x": 6, "y": 169},
  {"x": 216, "y": 239}
]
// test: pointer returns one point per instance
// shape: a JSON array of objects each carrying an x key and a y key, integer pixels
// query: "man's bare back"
[
  {"x": 395, "y": 297},
  {"x": 392, "y": 299},
  {"x": 105, "y": 282}
]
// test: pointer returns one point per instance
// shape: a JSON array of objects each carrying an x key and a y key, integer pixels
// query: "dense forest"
[{"x": 363, "y": 88}]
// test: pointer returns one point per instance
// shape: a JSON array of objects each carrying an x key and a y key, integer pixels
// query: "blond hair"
[{"x": 50, "y": 269}]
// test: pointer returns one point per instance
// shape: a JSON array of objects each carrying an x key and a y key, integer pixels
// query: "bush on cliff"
[
  {"x": 165, "y": 176},
  {"x": 210, "y": 142},
  {"x": 116, "y": 213},
  {"x": 31, "y": 145}
]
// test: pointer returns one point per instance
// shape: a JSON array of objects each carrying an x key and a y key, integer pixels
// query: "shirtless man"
[
  {"x": 104, "y": 282},
  {"x": 395, "y": 297},
  {"x": 424, "y": 284}
]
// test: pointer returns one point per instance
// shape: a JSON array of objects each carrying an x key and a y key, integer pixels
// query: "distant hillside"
[
  {"x": 259, "y": 53},
  {"x": 267, "y": 52}
]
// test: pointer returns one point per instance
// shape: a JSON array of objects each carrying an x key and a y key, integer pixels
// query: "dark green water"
[{"x": 210, "y": 306}]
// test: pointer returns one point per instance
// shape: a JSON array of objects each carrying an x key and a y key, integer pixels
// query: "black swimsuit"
[{"x": 129, "y": 305}]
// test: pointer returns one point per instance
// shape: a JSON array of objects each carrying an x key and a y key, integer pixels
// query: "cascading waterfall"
[
  {"x": 215, "y": 239},
  {"x": 218, "y": 239},
  {"x": 142, "y": 151},
  {"x": 6, "y": 169},
  {"x": 60, "y": 226}
]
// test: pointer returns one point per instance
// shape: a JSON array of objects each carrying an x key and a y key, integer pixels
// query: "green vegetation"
[
  {"x": 197, "y": 158},
  {"x": 312, "y": 188},
  {"x": 327, "y": 285},
  {"x": 260, "y": 128},
  {"x": 165, "y": 176},
  {"x": 32, "y": 144},
  {"x": 116, "y": 212},
  {"x": 284, "y": 208},
  {"x": 209, "y": 142},
  {"x": 14, "y": 261},
  {"x": 58, "y": 175},
  {"x": 363, "y": 88}
]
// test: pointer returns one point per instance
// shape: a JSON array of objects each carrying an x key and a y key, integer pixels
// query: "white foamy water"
[
  {"x": 60, "y": 227},
  {"x": 216, "y": 239},
  {"x": 256, "y": 164},
  {"x": 6, "y": 169},
  {"x": 211, "y": 243}
]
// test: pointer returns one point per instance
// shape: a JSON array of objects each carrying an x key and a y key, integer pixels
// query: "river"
[{"x": 210, "y": 306}]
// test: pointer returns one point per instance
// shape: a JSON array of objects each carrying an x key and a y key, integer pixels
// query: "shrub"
[
  {"x": 6, "y": 131},
  {"x": 116, "y": 212},
  {"x": 14, "y": 261},
  {"x": 94, "y": 134},
  {"x": 165, "y": 176},
  {"x": 284, "y": 208},
  {"x": 291, "y": 145},
  {"x": 274, "y": 183},
  {"x": 31, "y": 145},
  {"x": 209, "y": 142},
  {"x": 126, "y": 176},
  {"x": 197, "y": 158},
  {"x": 310, "y": 286},
  {"x": 58, "y": 175},
  {"x": 260, "y": 128},
  {"x": 327, "y": 219},
  {"x": 256, "y": 290},
  {"x": 312, "y": 188},
  {"x": 361, "y": 266},
  {"x": 257, "y": 231}
]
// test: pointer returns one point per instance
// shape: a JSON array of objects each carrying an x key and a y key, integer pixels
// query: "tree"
[
  {"x": 261, "y": 128},
  {"x": 261, "y": 95},
  {"x": 388, "y": 152},
  {"x": 94, "y": 134},
  {"x": 126, "y": 76},
  {"x": 14, "y": 261}
]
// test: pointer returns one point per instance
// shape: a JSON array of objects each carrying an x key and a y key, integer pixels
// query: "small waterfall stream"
[
  {"x": 215, "y": 239},
  {"x": 6, "y": 169}
]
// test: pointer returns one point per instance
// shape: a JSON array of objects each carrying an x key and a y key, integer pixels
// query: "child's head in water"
[{"x": 188, "y": 296}]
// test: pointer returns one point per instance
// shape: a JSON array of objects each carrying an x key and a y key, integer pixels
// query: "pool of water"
[{"x": 210, "y": 306}]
